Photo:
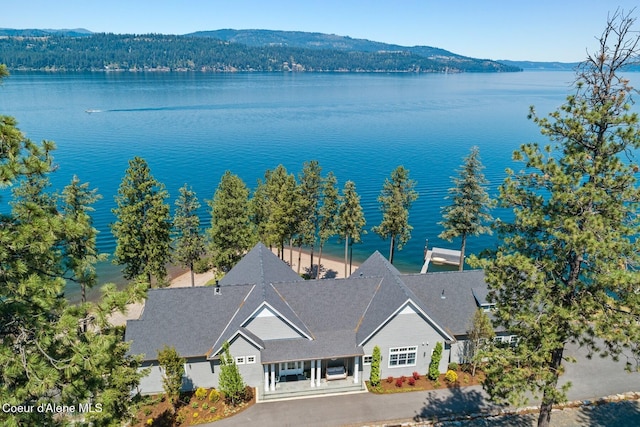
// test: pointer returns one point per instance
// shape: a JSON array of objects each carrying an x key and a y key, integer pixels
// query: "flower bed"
[
  {"x": 201, "y": 406},
  {"x": 418, "y": 382}
]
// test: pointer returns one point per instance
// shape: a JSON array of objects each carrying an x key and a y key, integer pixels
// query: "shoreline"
[{"x": 331, "y": 268}]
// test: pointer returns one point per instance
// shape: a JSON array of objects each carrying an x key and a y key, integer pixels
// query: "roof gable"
[
  {"x": 376, "y": 266},
  {"x": 259, "y": 266}
]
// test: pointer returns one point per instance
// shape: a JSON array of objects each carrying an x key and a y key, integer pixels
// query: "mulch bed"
[
  {"x": 157, "y": 411},
  {"x": 397, "y": 385}
]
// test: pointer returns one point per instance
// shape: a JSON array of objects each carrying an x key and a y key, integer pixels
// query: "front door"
[{"x": 291, "y": 368}]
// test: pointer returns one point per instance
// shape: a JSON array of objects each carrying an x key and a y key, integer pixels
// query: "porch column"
[
  {"x": 318, "y": 371},
  {"x": 313, "y": 372},
  {"x": 356, "y": 368},
  {"x": 273, "y": 377},
  {"x": 266, "y": 377}
]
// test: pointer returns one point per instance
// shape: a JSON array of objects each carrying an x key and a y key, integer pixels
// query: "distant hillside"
[
  {"x": 550, "y": 66},
  {"x": 225, "y": 51},
  {"x": 317, "y": 41},
  {"x": 77, "y": 32}
]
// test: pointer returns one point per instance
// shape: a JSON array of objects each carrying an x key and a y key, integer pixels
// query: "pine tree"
[
  {"x": 350, "y": 221},
  {"x": 81, "y": 254},
  {"x": 172, "y": 372},
  {"x": 189, "y": 242},
  {"x": 231, "y": 233},
  {"x": 282, "y": 206},
  {"x": 143, "y": 225},
  {"x": 470, "y": 203},
  {"x": 329, "y": 211},
  {"x": 566, "y": 269},
  {"x": 46, "y": 356},
  {"x": 395, "y": 200},
  {"x": 230, "y": 381},
  {"x": 310, "y": 190}
]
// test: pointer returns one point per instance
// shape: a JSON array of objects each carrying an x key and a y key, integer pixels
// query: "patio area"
[{"x": 300, "y": 388}]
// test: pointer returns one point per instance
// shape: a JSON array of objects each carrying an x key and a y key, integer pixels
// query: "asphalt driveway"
[{"x": 590, "y": 379}]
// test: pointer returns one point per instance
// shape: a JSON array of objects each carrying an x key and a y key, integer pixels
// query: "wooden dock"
[{"x": 440, "y": 256}]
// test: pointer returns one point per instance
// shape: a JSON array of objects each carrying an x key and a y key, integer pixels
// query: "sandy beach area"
[{"x": 331, "y": 268}]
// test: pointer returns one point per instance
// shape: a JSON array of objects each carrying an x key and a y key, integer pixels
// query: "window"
[
  {"x": 402, "y": 356},
  {"x": 251, "y": 359},
  {"x": 366, "y": 360},
  {"x": 240, "y": 360}
]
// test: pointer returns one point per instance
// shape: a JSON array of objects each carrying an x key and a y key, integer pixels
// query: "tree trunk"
[
  {"x": 350, "y": 257},
  {"x": 311, "y": 274},
  {"x": 392, "y": 248},
  {"x": 291, "y": 253},
  {"x": 544, "y": 418},
  {"x": 193, "y": 277},
  {"x": 299, "y": 258},
  {"x": 346, "y": 251},
  {"x": 462, "y": 248},
  {"x": 319, "y": 262}
]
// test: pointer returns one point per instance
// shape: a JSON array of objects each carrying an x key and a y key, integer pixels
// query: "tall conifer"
[
  {"x": 350, "y": 222},
  {"x": 395, "y": 200},
  {"x": 566, "y": 269},
  {"x": 231, "y": 233},
  {"x": 468, "y": 213},
  {"x": 189, "y": 242},
  {"x": 143, "y": 225}
]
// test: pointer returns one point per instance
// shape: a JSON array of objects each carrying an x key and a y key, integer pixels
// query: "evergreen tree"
[
  {"x": 376, "y": 357},
  {"x": 310, "y": 190},
  {"x": 46, "y": 356},
  {"x": 329, "y": 214},
  {"x": 434, "y": 364},
  {"x": 81, "y": 254},
  {"x": 395, "y": 200},
  {"x": 259, "y": 213},
  {"x": 231, "y": 233},
  {"x": 189, "y": 243},
  {"x": 173, "y": 370},
  {"x": 282, "y": 207},
  {"x": 350, "y": 221},
  {"x": 143, "y": 225},
  {"x": 230, "y": 381},
  {"x": 470, "y": 204},
  {"x": 566, "y": 269}
]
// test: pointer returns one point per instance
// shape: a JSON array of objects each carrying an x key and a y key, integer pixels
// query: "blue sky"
[{"x": 540, "y": 30}]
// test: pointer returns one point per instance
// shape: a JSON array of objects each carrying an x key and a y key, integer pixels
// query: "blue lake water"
[{"x": 191, "y": 128}]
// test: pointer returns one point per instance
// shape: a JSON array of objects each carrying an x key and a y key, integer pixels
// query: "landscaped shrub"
[
  {"x": 374, "y": 378},
  {"x": 389, "y": 379},
  {"x": 453, "y": 366},
  {"x": 399, "y": 382},
  {"x": 214, "y": 396},
  {"x": 412, "y": 381},
  {"x": 194, "y": 405},
  {"x": 404, "y": 379},
  {"x": 434, "y": 365},
  {"x": 201, "y": 393},
  {"x": 451, "y": 376},
  {"x": 416, "y": 375}
]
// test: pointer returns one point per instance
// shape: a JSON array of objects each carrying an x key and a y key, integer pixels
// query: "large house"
[{"x": 291, "y": 336}]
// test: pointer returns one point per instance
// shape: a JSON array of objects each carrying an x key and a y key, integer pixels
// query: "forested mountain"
[{"x": 197, "y": 52}]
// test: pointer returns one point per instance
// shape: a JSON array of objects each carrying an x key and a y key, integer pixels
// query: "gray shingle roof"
[
  {"x": 260, "y": 266},
  {"x": 456, "y": 310},
  {"x": 337, "y": 314},
  {"x": 183, "y": 318}
]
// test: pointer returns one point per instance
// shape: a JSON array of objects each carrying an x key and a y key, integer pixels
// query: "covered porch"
[{"x": 300, "y": 378}]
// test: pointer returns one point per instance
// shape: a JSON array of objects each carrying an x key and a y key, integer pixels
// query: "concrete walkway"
[{"x": 591, "y": 379}]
